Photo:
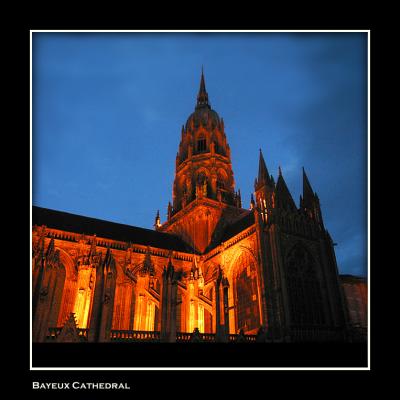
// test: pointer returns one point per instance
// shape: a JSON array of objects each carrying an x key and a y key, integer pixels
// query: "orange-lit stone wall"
[
  {"x": 201, "y": 223},
  {"x": 356, "y": 295},
  {"x": 139, "y": 279}
]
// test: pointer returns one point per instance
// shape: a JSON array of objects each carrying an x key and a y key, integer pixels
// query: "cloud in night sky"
[{"x": 108, "y": 110}]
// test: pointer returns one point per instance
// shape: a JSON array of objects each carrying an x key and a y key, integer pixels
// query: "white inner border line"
[{"x": 368, "y": 368}]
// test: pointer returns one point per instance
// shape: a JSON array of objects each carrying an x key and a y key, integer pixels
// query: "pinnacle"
[
  {"x": 202, "y": 97},
  {"x": 263, "y": 174},
  {"x": 264, "y": 177}
]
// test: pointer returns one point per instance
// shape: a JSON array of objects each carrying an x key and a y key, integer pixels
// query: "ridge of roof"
[
  {"x": 110, "y": 230},
  {"x": 241, "y": 223}
]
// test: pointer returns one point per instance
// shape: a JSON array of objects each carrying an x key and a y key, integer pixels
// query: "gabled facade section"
[{"x": 299, "y": 265}]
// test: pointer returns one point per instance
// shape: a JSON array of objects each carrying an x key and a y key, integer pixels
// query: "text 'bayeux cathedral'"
[{"x": 214, "y": 271}]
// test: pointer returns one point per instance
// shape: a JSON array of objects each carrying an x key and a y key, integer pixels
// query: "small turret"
[
  {"x": 263, "y": 179},
  {"x": 157, "y": 221},
  {"x": 309, "y": 202},
  {"x": 252, "y": 202},
  {"x": 264, "y": 189}
]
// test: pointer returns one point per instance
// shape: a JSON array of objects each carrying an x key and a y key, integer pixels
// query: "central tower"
[{"x": 204, "y": 197}]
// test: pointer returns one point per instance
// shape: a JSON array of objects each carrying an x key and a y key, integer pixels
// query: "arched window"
[
  {"x": 201, "y": 178},
  {"x": 222, "y": 180},
  {"x": 246, "y": 294},
  {"x": 69, "y": 290},
  {"x": 84, "y": 295},
  {"x": 145, "y": 307},
  {"x": 304, "y": 291},
  {"x": 124, "y": 306},
  {"x": 201, "y": 145},
  {"x": 146, "y": 315},
  {"x": 223, "y": 185}
]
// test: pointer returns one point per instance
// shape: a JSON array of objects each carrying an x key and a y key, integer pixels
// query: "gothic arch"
[
  {"x": 303, "y": 287},
  {"x": 202, "y": 172},
  {"x": 237, "y": 252},
  {"x": 201, "y": 142},
  {"x": 67, "y": 299},
  {"x": 222, "y": 179},
  {"x": 123, "y": 306},
  {"x": 124, "y": 301},
  {"x": 219, "y": 142},
  {"x": 145, "y": 308},
  {"x": 158, "y": 270},
  {"x": 244, "y": 293},
  {"x": 210, "y": 272}
]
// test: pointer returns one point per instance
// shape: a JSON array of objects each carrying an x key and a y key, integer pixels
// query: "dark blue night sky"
[{"x": 108, "y": 110}]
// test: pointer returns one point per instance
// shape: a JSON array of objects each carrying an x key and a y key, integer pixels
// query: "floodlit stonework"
[{"x": 213, "y": 271}]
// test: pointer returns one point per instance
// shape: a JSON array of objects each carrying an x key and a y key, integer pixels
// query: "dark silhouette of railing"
[
  {"x": 54, "y": 332},
  {"x": 134, "y": 336},
  {"x": 297, "y": 334},
  {"x": 195, "y": 336},
  {"x": 181, "y": 337},
  {"x": 242, "y": 338}
]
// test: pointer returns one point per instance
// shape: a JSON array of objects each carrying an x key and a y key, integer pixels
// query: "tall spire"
[
  {"x": 263, "y": 174},
  {"x": 283, "y": 197},
  {"x": 310, "y": 202},
  {"x": 202, "y": 97}
]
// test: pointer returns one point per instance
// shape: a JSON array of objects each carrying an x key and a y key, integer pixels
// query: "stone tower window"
[
  {"x": 201, "y": 178},
  {"x": 201, "y": 145}
]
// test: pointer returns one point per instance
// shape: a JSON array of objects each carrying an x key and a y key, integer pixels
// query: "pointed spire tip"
[{"x": 202, "y": 97}]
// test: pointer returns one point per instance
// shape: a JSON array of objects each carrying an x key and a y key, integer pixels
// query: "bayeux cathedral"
[{"x": 214, "y": 271}]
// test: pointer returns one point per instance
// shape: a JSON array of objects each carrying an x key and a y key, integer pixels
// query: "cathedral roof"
[
  {"x": 204, "y": 117},
  {"x": 243, "y": 222},
  {"x": 109, "y": 230}
]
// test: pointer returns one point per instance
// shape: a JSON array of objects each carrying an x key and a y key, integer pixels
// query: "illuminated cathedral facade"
[{"x": 213, "y": 271}]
